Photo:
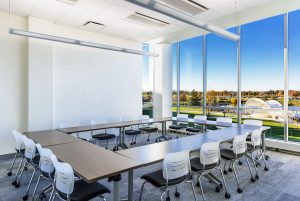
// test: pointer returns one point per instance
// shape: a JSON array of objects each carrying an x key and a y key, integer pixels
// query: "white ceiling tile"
[{"x": 19, "y": 7}]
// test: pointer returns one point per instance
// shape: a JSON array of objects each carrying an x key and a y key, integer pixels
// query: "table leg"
[
  {"x": 130, "y": 185},
  {"x": 116, "y": 190},
  {"x": 164, "y": 131}
]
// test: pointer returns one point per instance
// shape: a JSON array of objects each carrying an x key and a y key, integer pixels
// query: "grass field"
[{"x": 276, "y": 131}]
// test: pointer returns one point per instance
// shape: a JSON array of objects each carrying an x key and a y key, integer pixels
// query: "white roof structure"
[{"x": 258, "y": 103}]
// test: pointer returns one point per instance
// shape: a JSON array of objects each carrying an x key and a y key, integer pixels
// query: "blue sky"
[{"x": 261, "y": 56}]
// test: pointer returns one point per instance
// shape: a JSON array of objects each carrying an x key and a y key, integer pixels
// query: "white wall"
[
  {"x": 43, "y": 83},
  {"x": 13, "y": 82}
]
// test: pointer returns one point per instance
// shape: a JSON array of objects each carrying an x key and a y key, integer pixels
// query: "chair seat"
[
  {"x": 228, "y": 154},
  {"x": 104, "y": 136},
  {"x": 156, "y": 179},
  {"x": 197, "y": 166},
  {"x": 248, "y": 138},
  {"x": 149, "y": 129},
  {"x": 176, "y": 127},
  {"x": 250, "y": 147},
  {"x": 85, "y": 191},
  {"x": 193, "y": 130},
  {"x": 132, "y": 132},
  {"x": 21, "y": 151},
  {"x": 35, "y": 160}
]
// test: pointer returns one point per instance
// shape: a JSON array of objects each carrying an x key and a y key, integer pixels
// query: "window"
[
  {"x": 174, "y": 79},
  {"x": 221, "y": 96},
  {"x": 191, "y": 76},
  {"x": 147, "y": 84},
  {"x": 262, "y": 45},
  {"x": 294, "y": 72}
]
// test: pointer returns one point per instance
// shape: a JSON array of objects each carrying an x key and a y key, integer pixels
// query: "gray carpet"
[{"x": 280, "y": 183}]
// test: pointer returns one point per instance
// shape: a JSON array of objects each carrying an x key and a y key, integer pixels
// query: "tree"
[
  {"x": 194, "y": 98},
  {"x": 233, "y": 101},
  {"x": 183, "y": 97}
]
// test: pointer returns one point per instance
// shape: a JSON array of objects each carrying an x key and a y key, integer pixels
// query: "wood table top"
[
  {"x": 50, "y": 137},
  {"x": 122, "y": 124},
  {"x": 92, "y": 162}
]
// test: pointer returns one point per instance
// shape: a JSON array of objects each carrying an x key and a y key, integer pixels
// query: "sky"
[{"x": 262, "y": 49}]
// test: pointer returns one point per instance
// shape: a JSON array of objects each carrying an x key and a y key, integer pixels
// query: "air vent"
[
  {"x": 93, "y": 26},
  {"x": 70, "y": 2},
  {"x": 142, "y": 19},
  {"x": 191, "y": 7}
]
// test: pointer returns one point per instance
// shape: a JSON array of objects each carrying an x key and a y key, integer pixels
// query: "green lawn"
[{"x": 276, "y": 131}]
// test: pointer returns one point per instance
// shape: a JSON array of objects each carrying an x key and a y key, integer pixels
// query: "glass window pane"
[
  {"x": 191, "y": 79},
  {"x": 221, "y": 96},
  {"x": 147, "y": 84},
  {"x": 174, "y": 78},
  {"x": 294, "y": 72},
  {"x": 262, "y": 45}
]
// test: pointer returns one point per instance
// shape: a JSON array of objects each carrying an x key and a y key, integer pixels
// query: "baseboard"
[
  {"x": 279, "y": 145},
  {"x": 7, "y": 156}
]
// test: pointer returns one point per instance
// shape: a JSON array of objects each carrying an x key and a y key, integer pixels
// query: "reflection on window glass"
[
  {"x": 262, "y": 44},
  {"x": 294, "y": 72},
  {"x": 221, "y": 96},
  {"x": 191, "y": 78}
]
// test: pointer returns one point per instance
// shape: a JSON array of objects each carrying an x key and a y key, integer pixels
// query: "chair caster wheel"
[
  {"x": 168, "y": 198},
  {"x": 198, "y": 184},
  {"x": 266, "y": 169},
  {"x": 256, "y": 177},
  {"x": 252, "y": 179},
  {"x": 25, "y": 197},
  {"x": 225, "y": 172},
  {"x": 219, "y": 188},
  {"x": 240, "y": 163},
  {"x": 9, "y": 174},
  {"x": 148, "y": 140},
  {"x": 227, "y": 195},
  {"x": 17, "y": 185},
  {"x": 25, "y": 168},
  {"x": 267, "y": 158},
  {"x": 177, "y": 194},
  {"x": 257, "y": 164},
  {"x": 239, "y": 190},
  {"x": 155, "y": 140},
  {"x": 131, "y": 143},
  {"x": 14, "y": 183},
  {"x": 230, "y": 169},
  {"x": 159, "y": 140}
]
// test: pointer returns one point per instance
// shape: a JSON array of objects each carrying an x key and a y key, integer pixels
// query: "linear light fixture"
[
  {"x": 165, "y": 9},
  {"x": 78, "y": 42}
]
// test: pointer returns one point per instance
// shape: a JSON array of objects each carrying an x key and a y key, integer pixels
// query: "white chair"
[
  {"x": 69, "y": 189},
  {"x": 199, "y": 120},
  {"x": 237, "y": 152},
  {"x": 147, "y": 128},
  {"x": 223, "y": 122},
  {"x": 180, "y": 123},
  {"x": 19, "y": 147},
  {"x": 32, "y": 158},
  {"x": 256, "y": 146},
  {"x": 208, "y": 161},
  {"x": 132, "y": 131},
  {"x": 107, "y": 135},
  {"x": 46, "y": 170},
  {"x": 175, "y": 171}
]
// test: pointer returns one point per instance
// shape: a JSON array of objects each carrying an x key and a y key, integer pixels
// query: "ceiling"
[{"x": 112, "y": 14}]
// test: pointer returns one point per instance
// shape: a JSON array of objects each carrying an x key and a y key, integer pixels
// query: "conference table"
[{"x": 93, "y": 163}]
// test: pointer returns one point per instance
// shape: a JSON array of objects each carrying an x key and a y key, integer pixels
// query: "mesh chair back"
[
  {"x": 210, "y": 153},
  {"x": 176, "y": 165},
  {"x": 224, "y": 121},
  {"x": 30, "y": 149},
  {"x": 252, "y": 122},
  {"x": 45, "y": 160},
  {"x": 18, "y": 139},
  {"x": 64, "y": 176},
  {"x": 200, "y": 119},
  {"x": 256, "y": 137},
  {"x": 239, "y": 144}
]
